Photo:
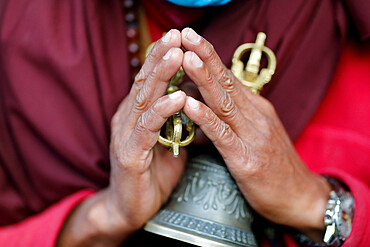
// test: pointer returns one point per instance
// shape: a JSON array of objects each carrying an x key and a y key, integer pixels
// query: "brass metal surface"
[
  {"x": 207, "y": 207},
  {"x": 251, "y": 75},
  {"x": 173, "y": 127}
]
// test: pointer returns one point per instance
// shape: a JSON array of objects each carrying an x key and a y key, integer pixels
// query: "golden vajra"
[
  {"x": 250, "y": 75},
  {"x": 173, "y": 131},
  {"x": 173, "y": 128}
]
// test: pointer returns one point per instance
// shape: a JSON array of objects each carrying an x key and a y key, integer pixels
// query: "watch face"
[{"x": 346, "y": 217}]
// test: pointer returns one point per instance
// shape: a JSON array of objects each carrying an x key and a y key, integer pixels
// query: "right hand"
[{"x": 143, "y": 173}]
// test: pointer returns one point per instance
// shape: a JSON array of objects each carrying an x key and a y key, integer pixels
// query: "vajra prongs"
[
  {"x": 174, "y": 130},
  {"x": 250, "y": 74}
]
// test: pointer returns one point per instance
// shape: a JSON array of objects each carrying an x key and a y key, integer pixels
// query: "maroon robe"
[{"x": 64, "y": 70}]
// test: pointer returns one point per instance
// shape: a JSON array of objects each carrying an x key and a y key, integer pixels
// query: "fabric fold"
[{"x": 42, "y": 230}]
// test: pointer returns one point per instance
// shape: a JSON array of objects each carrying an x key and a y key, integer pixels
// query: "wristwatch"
[
  {"x": 338, "y": 215},
  {"x": 338, "y": 218}
]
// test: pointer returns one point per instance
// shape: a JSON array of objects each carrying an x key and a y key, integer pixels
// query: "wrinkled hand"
[
  {"x": 144, "y": 173},
  {"x": 249, "y": 135}
]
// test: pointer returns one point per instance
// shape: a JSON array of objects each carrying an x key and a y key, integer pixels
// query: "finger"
[
  {"x": 222, "y": 136},
  {"x": 156, "y": 84},
  {"x": 147, "y": 129},
  {"x": 170, "y": 40},
  {"x": 205, "y": 50},
  {"x": 242, "y": 96},
  {"x": 213, "y": 93}
]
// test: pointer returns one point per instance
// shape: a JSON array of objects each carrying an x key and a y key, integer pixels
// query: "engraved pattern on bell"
[{"x": 206, "y": 208}]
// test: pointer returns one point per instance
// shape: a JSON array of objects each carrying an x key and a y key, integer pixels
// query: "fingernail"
[
  {"x": 175, "y": 95},
  {"x": 192, "y": 103},
  {"x": 192, "y": 36},
  {"x": 167, "y": 55},
  {"x": 196, "y": 60},
  {"x": 167, "y": 37}
]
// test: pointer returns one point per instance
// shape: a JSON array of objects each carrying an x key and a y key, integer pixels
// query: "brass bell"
[{"x": 207, "y": 208}]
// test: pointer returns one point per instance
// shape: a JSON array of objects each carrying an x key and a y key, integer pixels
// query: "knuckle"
[
  {"x": 227, "y": 107},
  {"x": 133, "y": 162},
  {"x": 226, "y": 81},
  {"x": 210, "y": 53},
  {"x": 264, "y": 122},
  {"x": 272, "y": 133},
  {"x": 157, "y": 71},
  {"x": 119, "y": 116},
  {"x": 209, "y": 78},
  {"x": 118, "y": 151},
  {"x": 153, "y": 51},
  {"x": 253, "y": 167},
  {"x": 141, "y": 126},
  {"x": 141, "y": 101},
  {"x": 226, "y": 134},
  {"x": 144, "y": 124},
  {"x": 155, "y": 110},
  {"x": 120, "y": 156},
  {"x": 213, "y": 122},
  {"x": 223, "y": 131},
  {"x": 269, "y": 120},
  {"x": 267, "y": 106},
  {"x": 116, "y": 119},
  {"x": 140, "y": 77}
]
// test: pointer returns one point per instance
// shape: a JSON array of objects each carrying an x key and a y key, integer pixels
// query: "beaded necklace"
[{"x": 130, "y": 9}]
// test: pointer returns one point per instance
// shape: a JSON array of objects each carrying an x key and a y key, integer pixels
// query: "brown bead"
[
  {"x": 133, "y": 47},
  {"x": 135, "y": 62},
  {"x": 132, "y": 33},
  {"x": 128, "y": 3},
  {"x": 130, "y": 17}
]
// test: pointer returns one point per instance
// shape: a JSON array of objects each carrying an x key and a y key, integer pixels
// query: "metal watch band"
[
  {"x": 338, "y": 218},
  {"x": 339, "y": 214}
]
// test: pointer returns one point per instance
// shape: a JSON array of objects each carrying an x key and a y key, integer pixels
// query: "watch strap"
[{"x": 338, "y": 218}]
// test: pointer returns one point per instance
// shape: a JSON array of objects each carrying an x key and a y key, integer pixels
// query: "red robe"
[
  {"x": 62, "y": 76},
  {"x": 336, "y": 142}
]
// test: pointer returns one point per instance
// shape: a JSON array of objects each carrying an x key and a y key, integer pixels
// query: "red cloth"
[
  {"x": 41, "y": 230},
  {"x": 337, "y": 140},
  {"x": 70, "y": 60},
  {"x": 62, "y": 75},
  {"x": 64, "y": 69},
  {"x": 336, "y": 143}
]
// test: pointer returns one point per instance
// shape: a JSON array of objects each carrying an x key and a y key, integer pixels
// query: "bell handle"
[{"x": 177, "y": 133}]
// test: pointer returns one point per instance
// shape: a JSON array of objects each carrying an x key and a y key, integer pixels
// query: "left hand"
[{"x": 247, "y": 132}]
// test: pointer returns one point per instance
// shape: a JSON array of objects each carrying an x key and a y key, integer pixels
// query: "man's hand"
[
  {"x": 143, "y": 174},
  {"x": 249, "y": 135}
]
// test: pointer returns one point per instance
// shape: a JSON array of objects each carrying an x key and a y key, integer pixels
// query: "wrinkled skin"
[
  {"x": 143, "y": 172},
  {"x": 244, "y": 128},
  {"x": 247, "y": 132}
]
